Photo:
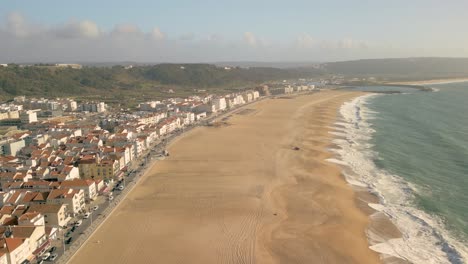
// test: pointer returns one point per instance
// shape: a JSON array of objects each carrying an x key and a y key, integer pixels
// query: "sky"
[{"x": 214, "y": 31}]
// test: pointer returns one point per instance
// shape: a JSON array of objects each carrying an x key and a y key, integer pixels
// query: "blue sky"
[{"x": 209, "y": 30}]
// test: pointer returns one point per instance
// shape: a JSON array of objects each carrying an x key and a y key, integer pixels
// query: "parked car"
[
  {"x": 95, "y": 208},
  {"x": 78, "y": 223},
  {"x": 111, "y": 198},
  {"x": 69, "y": 240},
  {"x": 120, "y": 188},
  {"x": 86, "y": 216},
  {"x": 52, "y": 249},
  {"x": 45, "y": 256},
  {"x": 53, "y": 257}
]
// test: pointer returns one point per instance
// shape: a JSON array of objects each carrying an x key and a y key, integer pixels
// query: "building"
[
  {"x": 106, "y": 169},
  {"x": 74, "y": 199},
  {"x": 20, "y": 99},
  {"x": 205, "y": 108},
  {"x": 34, "y": 236},
  {"x": 72, "y": 105},
  {"x": 200, "y": 116},
  {"x": 88, "y": 186},
  {"x": 263, "y": 90},
  {"x": 256, "y": 95},
  {"x": 69, "y": 65},
  {"x": 11, "y": 147},
  {"x": 54, "y": 214},
  {"x": 219, "y": 103},
  {"x": 15, "y": 250},
  {"x": 28, "y": 117},
  {"x": 9, "y": 115},
  {"x": 87, "y": 166},
  {"x": 31, "y": 219},
  {"x": 93, "y": 107},
  {"x": 187, "y": 118},
  {"x": 248, "y": 97}
]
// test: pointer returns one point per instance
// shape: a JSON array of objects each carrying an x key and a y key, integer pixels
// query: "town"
[{"x": 62, "y": 163}]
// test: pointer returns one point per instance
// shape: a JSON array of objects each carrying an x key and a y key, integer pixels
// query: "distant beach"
[
  {"x": 257, "y": 189},
  {"x": 434, "y": 81}
]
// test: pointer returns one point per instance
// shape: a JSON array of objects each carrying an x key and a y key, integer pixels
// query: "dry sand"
[{"x": 240, "y": 194}]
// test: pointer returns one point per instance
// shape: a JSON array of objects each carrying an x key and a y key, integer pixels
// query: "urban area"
[{"x": 64, "y": 164}]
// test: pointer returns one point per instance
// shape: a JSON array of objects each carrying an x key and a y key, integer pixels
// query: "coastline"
[
  {"x": 399, "y": 231},
  {"x": 256, "y": 200},
  {"x": 429, "y": 82},
  {"x": 381, "y": 228}
]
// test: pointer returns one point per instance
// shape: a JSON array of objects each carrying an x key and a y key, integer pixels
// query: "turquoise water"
[{"x": 423, "y": 138}]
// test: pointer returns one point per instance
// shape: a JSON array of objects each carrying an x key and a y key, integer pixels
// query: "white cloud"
[
  {"x": 349, "y": 43},
  {"x": 343, "y": 44},
  {"x": 215, "y": 37},
  {"x": 124, "y": 29},
  {"x": 157, "y": 34},
  {"x": 250, "y": 39},
  {"x": 16, "y": 25},
  {"x": 84, "y": 40},
  {"x": 78, "y": 29},
  {"x": 187, "y": 37},
  {"x": 306, "y": 41}
]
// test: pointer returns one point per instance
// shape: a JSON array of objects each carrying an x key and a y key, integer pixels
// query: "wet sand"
[{"x": 240, "y": 193}]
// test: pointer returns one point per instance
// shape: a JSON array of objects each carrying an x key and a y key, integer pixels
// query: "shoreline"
[
  {"x": 234, "y": 205},
  {"x": 381, "y": 228},
  {"x": 429, "y": 82},
  {"x": 399, "y": 231}
]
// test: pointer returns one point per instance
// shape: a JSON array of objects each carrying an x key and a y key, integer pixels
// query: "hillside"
[
  {"x": 167, "y": 80},
  {"x": 143, "y": 81}
]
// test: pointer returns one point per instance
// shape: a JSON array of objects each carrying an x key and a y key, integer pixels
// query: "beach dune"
[{"x": 254, "y": 190}]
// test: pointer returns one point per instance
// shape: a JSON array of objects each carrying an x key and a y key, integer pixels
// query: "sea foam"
[{"x": 424, "y": 238}]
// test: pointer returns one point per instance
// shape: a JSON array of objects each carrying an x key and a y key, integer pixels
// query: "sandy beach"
[
  {"x": 240, "y": 193},
  {"x": 434, "y": 81}
]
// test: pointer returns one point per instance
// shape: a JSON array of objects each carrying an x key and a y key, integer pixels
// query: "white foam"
[
  {"x": 377, "y": 207},
  {"x": 424, "y": 238},
  {"x": 337, "y": 161},
  {"x": 338, "y": 128},
  {"x": 339, "y": 134},
  {"x": 356, "y": 183}
]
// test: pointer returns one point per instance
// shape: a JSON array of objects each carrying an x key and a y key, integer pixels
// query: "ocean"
[{"x": 411, "y": 150}]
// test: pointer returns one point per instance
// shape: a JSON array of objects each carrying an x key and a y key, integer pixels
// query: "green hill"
[{"x": 142, "y": 81}]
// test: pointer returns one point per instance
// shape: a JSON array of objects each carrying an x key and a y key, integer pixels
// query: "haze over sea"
[{"x": 412, "y": 151}]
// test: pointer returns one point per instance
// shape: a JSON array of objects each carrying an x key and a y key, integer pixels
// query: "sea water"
[{"x": 411, "y": 150}]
